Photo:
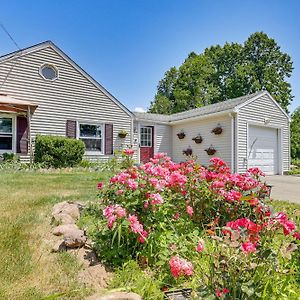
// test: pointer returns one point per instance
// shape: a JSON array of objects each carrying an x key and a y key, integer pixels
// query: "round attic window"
[{"x": 48, "y": 72}]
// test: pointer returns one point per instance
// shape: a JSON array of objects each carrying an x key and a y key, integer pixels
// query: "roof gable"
[
  {"x": 49, "y": 44},
  {"x": 270, "y": 97}
]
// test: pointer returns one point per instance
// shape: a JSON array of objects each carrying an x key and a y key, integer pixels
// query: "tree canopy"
[
  {"x": 225, "y": 72},
  {"x": 295, "y": 134}
]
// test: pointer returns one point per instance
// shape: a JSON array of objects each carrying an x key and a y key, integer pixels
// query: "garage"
[{"x": 263, "y": 149}]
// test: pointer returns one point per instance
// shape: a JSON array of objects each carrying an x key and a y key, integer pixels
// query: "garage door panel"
[{"x": 263, "y": 149}]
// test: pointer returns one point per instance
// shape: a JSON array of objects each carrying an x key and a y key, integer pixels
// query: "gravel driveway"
[{"x": 285, "y": 187}]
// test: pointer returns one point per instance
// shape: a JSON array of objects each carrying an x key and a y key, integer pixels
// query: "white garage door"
[{"x": 263, "y": 149}]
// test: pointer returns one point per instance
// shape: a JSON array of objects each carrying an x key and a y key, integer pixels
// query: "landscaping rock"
[
  {"x": 64, "y": 219},
  {"x": 74, "y": 238},
  {"x": 95, "y": 277},
  {"x": 59, "y": 246},
  {"x": 66, "y": 212},
  {"x": 115, "y": 296},
  {"x": 87, "y": 257},
  {"x": 63, "y": 229}
]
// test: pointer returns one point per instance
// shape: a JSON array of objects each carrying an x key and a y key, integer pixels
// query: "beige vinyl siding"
[
  {"x": 163, "y": 139},
  {"x": 222, "y": 143},
  {"x": 72, "y": 96},
  {"x": 255, "y": 112}
]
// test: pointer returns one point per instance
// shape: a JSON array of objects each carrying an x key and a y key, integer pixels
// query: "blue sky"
[{"x": 127, "y": 45}]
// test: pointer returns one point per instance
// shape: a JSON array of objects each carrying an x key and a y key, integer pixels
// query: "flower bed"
[{"x": 191, "y": 226}]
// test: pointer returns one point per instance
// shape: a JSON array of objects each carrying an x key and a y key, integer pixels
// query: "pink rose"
[{"x": 189, "y": 210}]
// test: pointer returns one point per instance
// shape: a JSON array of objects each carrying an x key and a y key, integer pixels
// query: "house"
[
  {"x": 43, "y": 91},
  {"x": 254, "y": 133}
]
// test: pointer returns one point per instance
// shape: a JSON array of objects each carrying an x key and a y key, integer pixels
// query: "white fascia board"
[
  {"x": 190, "y": 119},
  {"x": 141, "y": 120}
]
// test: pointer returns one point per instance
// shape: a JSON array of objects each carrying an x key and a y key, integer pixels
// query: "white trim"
[
  {"x": 78, "y": 137},
  {"x": 232, "y": 141},
  {"x": 51, "y": 45},
  {"x": 146, "y": 124},
  {"x": 138, "y": 143},
  {"x": 237, "y": 167},
  {"x": 211, "y": 115},
  {"x": 152, "y": 136},
  {"x": 279, "y": 146},
  {"x": 289, "y": 146},
  {"x": 49, "y": 65},
  {"x": 154, "y": 139},
  {"x": 152, "y": 121},
  {"x": 279, "y": 143},
  {"x": 262, "y": 124},
  {"x": 14, "y": 132},
  {"x": 258, "y": 96}
]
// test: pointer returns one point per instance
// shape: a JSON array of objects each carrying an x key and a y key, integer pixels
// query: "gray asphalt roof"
[{"x": 202, "y": 111}]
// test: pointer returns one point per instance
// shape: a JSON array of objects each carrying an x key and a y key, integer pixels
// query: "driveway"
[{"x": 285, "y": 187}]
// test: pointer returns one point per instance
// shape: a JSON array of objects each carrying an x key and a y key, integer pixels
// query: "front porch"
[{"x": 15, "y": 125}]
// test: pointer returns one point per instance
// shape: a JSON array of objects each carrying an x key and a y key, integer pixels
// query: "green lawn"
[{"x": 28, "y": 269}]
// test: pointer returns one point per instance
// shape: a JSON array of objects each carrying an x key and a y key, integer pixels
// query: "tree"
[
  {"x": 295, "y": 134},
  {"x": 270, "y": 67},
  {"x": 224, "y": 72}
]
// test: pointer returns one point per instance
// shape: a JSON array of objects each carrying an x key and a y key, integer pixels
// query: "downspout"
[
  {"x": 231, "y": 115},
  {"x": 131, "y": 133},
  {"x": 236, "y": 141}
]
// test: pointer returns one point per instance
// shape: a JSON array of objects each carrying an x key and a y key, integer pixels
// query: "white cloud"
[{"x": 139, "y": 109}]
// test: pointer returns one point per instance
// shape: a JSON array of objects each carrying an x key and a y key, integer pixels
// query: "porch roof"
[{"x": 11, "y": 104}]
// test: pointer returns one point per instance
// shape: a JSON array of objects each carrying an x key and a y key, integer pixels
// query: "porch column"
[{"x": 29, "y": 134}]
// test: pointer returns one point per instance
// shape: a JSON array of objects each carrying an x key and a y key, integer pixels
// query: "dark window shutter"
[
  {"x": 22, "y": 135},
  {"x": 109, "y": 139},
  {"x": 71, "y": 129}
]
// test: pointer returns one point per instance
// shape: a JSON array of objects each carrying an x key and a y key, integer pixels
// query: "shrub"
[
  {"x": 10, "y": 157},
  {"x": 206, "y": 227},
  {"x": 58, "y": 151}
]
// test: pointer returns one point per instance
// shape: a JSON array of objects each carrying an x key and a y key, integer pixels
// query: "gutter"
[{"x": 189, "y": 119}]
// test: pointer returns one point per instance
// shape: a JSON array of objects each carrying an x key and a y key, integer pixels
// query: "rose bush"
[{"x": 188, "y": 221}]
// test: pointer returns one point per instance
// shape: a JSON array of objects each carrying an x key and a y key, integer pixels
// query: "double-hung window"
[
  {"x": 6, "y": 134},
  {"x": 92, "y": 136}
]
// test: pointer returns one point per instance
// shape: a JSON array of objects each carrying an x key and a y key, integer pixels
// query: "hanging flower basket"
[
  {"x": 181, "y": 135},
  {"x": 217, "y": 130},
  {"x": 188, "y": 151},
  {"x": 197, "y": 139},
  {"x": 211, "y": 150},
  {"x": 122, "y": 134}
]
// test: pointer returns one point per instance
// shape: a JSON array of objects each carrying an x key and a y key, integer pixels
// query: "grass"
[{"x": 28, "y": 269}]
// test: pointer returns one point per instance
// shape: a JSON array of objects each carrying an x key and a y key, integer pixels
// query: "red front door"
[{"x": 146, "y": 143}]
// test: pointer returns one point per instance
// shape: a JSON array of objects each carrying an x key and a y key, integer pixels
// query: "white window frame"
[
  {"x": 13, "y": 133},
  {"x": 50, "y": 66},
  {"x": 148, "y": 127},
  {"x": 89, "y": 152}
]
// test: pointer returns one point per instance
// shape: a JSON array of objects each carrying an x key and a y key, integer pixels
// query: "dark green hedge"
[{"x": 58, "y": 151}]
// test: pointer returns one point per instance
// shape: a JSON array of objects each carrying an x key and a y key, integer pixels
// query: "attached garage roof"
[{"x": 224, "y": 106}]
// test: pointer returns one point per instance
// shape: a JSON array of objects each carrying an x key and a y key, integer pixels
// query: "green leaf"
[{"x": 249, "y": 291}]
